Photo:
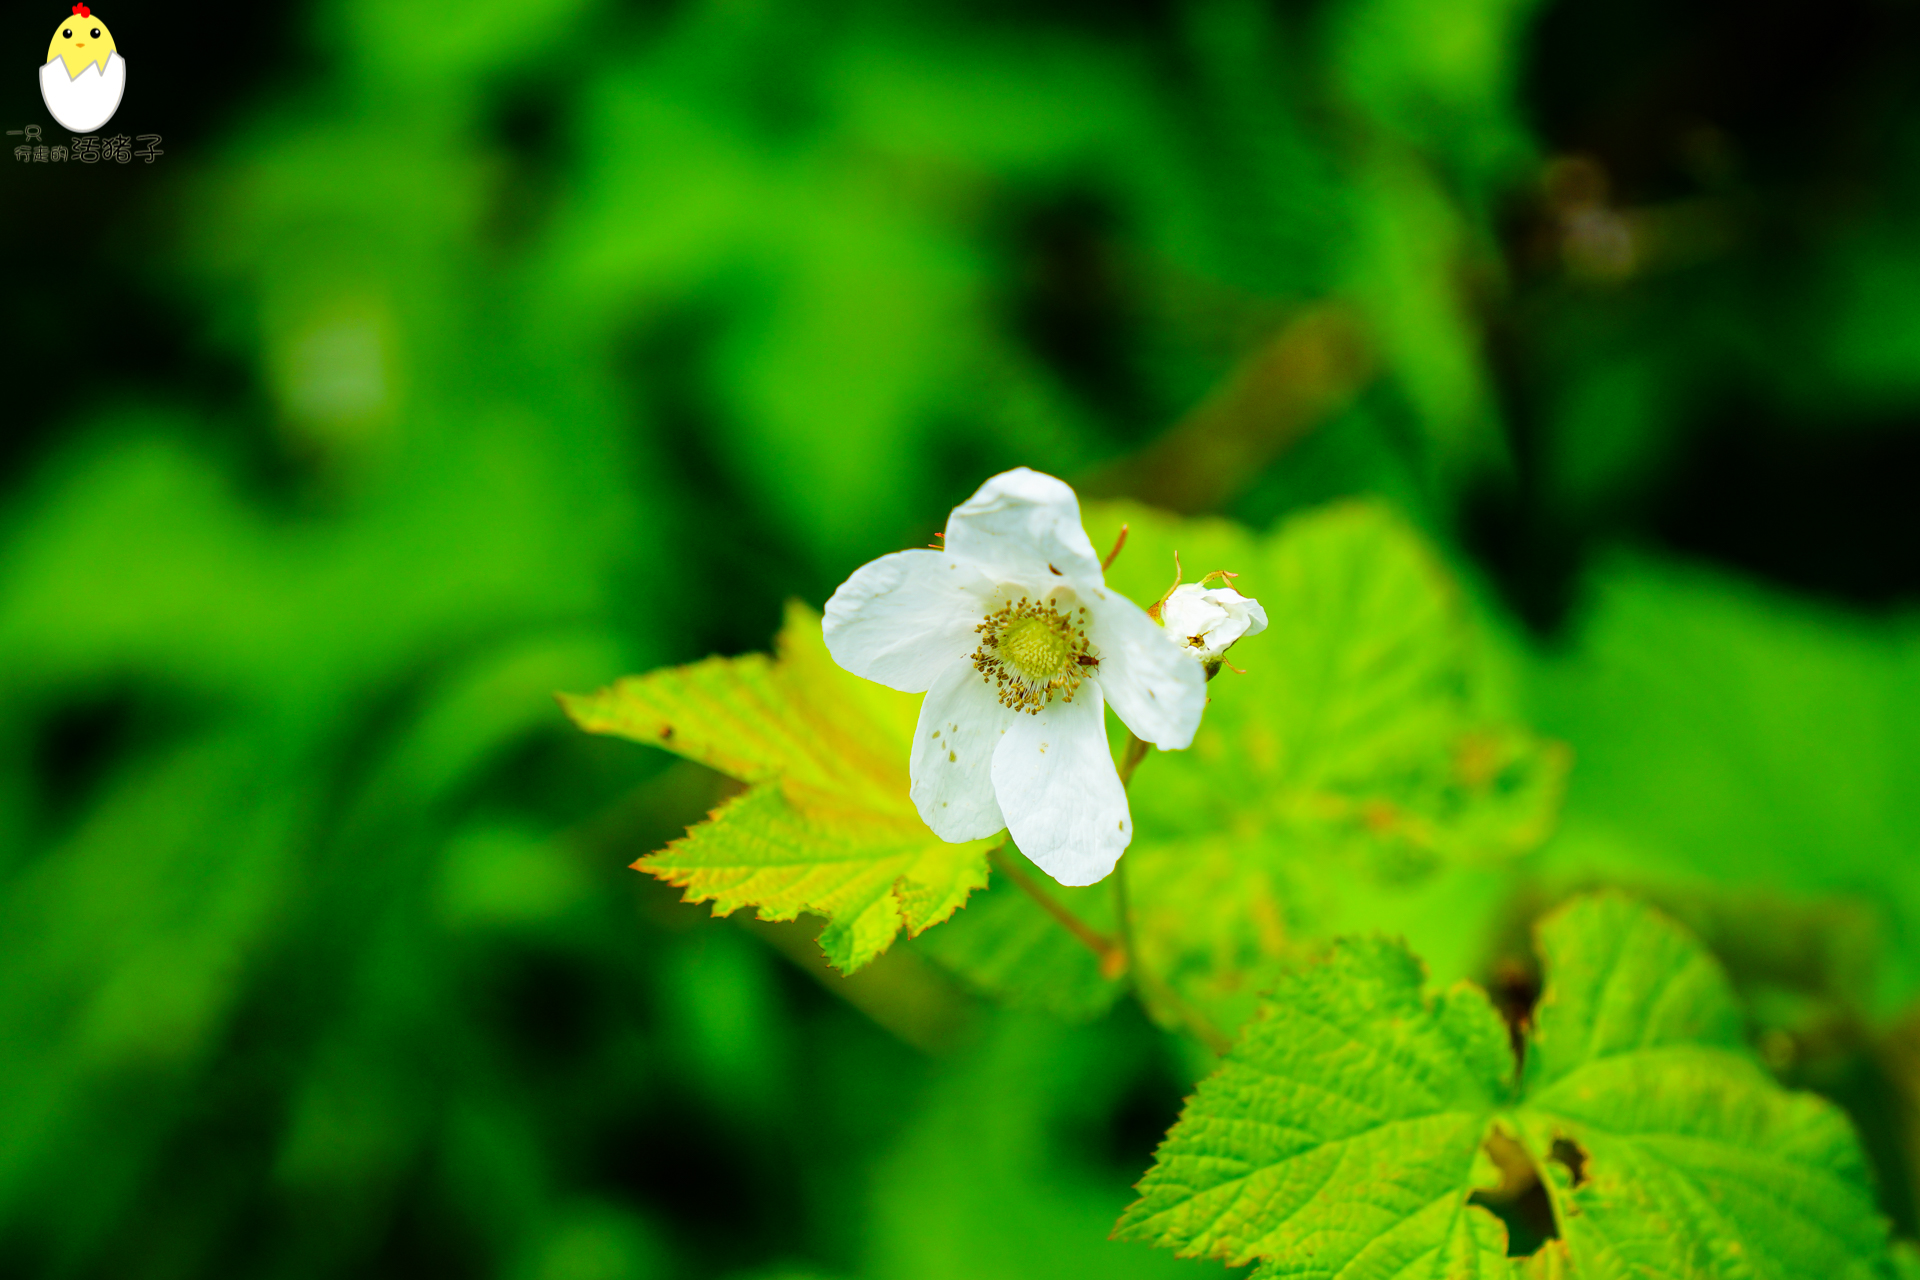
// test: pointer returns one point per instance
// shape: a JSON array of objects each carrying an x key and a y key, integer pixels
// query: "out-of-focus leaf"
[
  {"x": 826, "y": 825},
  {"x": 1732, "y": 737},
  {"x": 988, "y": 1177},
  {"x": 1359, "y": 753},
  {"x": 1010, "y": 948}
]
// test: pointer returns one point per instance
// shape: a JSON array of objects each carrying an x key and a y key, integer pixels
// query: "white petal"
[
  {"x": 1063, "y": 800},
  {"x": 1189, "y": 611},
  {"x": 1023, "y": 526},
  {"x": 901, "y": 619},
  {"x": 1155, "y": 686},
  {"x": 961, "y": 723},
  {"x": 1216, "y": 619}
]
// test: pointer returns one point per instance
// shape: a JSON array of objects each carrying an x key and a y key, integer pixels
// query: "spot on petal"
[{"x": 951, "y": 756}]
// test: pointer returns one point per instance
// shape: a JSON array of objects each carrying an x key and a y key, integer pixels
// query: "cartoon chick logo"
[{"x": 85, "y": 75}]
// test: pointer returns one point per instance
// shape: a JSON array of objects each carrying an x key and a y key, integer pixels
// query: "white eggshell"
[{"x": 88, "y": 100}]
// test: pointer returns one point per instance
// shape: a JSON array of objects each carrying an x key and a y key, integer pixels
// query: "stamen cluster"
[{"x": 1031, "y": 651}]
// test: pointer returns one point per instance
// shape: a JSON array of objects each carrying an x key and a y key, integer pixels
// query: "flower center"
[
  {"x": 1032, "y": 651},
  {"x": 1035, "y": 648}
]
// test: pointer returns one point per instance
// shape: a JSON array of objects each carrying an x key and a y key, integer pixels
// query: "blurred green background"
[{"x": 454, "y": 355}]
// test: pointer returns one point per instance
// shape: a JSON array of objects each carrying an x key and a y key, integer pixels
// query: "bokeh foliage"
[{"x": 448, "y": 360}]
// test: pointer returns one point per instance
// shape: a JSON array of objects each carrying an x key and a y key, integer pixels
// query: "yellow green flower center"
[
  {"x": 1036, "y": 649},
  {"x": 1033, "y": 652}
]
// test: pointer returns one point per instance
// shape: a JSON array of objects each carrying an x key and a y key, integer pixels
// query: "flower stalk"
[
  {"x": 1147, "y": 987},
  {"x": 1112, "y": 957}
]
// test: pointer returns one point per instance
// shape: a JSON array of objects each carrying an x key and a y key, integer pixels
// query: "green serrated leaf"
[
  {"x": 826, "y": 826},
  {"x": 1625, "y": 980},
  {"x": 1342, "y": 1134},
  {"x": 1689, "y": 1159},
  {"x": 1356, "y": 754},
  {"x": 1473, "y": 1247}
]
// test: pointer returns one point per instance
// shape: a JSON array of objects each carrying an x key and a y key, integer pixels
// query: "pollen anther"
[{"x": 1031, "y": 652}]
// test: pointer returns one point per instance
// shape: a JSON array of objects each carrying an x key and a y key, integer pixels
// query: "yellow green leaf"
[
  {"x": 826, "y": 825},
  {"x": 1006, "y": 947}
]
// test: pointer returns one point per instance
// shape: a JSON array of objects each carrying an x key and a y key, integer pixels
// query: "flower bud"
[{"x": 1209, "y": 622}]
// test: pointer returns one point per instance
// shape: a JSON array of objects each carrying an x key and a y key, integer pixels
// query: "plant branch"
[
  {"x": 1123, "y": 917},
  {"x": 1118, "y": 958},
  {"x": 1113, "y": 960},
  {"x": 1147, "y": 988}
]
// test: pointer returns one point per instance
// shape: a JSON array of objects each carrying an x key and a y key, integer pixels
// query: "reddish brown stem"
[
  {"x": 1113, "y": 960},
  {"x": 1147, "y": 988}
]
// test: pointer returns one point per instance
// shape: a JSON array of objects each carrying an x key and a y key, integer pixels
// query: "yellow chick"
[{"x": 81, "y": 39}]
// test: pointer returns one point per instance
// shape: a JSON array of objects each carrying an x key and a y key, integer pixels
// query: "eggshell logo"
[{"x": 85, "y": 75}]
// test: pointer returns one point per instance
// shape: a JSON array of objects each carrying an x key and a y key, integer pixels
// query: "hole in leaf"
[
  {"x": 1520, "y": 1201},
  {"x": 1515, "y": 989},
  {"x": 1572, "y": 1157}
]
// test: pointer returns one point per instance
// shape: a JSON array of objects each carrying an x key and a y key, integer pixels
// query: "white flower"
[
  {"x": 1011, "y": 631},
  {"x": 1209, "y": 622}
]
